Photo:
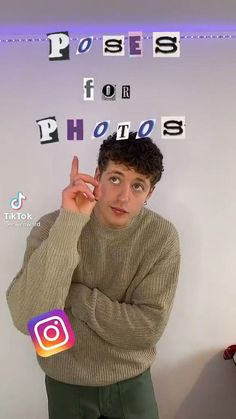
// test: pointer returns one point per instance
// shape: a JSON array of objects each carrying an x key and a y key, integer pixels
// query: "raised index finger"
[{"x": 74, "y": 168}]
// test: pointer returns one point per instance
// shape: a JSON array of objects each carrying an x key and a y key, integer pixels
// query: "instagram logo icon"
[{"x": 51, "y": 333}]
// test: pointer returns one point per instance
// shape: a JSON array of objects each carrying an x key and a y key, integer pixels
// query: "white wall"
[{"x": 197, "y": 193}]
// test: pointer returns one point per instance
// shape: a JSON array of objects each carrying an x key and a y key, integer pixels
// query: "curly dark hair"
[{"x": 140, "y": 154}]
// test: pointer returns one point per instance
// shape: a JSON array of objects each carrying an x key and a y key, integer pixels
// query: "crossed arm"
[{"x": 135, "y": 325}]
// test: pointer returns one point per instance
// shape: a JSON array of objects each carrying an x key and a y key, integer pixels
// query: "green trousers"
[{"x": 133, "y": 398}]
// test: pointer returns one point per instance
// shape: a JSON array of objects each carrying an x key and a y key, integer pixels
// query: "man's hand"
[{"x": 77, "y": 196}]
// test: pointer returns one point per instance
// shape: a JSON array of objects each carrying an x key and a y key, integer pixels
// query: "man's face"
[{"x": 122, "y": 188}]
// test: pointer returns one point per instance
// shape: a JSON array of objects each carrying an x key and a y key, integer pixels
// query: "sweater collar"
[{"x": 109, "y": 232}]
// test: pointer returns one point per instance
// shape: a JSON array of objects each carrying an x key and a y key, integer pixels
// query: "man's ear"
[
  {"x": 150, "y": 193},
  {"x": 97, "y": 173}
]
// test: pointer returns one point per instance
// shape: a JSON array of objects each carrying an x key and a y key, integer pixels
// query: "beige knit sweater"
[{"x": 116, "y": 285}]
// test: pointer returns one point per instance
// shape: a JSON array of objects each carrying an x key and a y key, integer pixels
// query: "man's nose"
[{"x": 124, "y": 193}]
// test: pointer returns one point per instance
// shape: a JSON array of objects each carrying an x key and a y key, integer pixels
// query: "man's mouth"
[{"x": 119, "y": 210}]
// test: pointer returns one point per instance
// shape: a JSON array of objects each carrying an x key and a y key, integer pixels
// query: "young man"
[{"x": 112, "y": 265}]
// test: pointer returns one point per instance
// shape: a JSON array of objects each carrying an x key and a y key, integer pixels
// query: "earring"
[{"x": 145, "y": 202}]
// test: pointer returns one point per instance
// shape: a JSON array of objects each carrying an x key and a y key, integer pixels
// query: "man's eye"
[
  {"x": 113, "y": 177},
  {"x": 138, "y": 184}
]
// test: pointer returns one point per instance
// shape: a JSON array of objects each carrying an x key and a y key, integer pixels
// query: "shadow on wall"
[{"x": 214, "y": 393}]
